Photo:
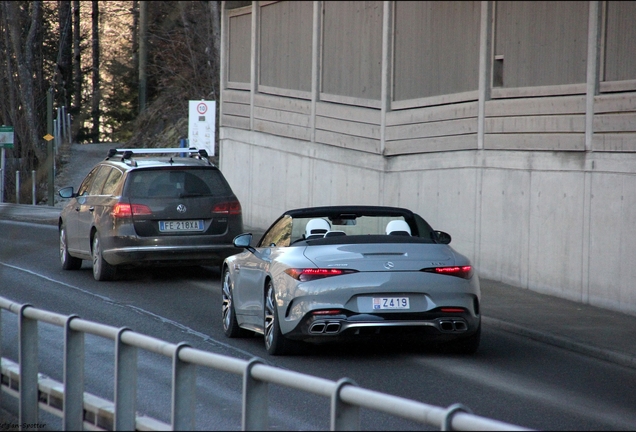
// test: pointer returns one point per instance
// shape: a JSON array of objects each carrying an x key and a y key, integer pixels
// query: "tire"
[
  {"x": 467, "y": 345},
  {"x": 275, "y": 343},
  {"x": 230, "y": 324},
  {"x": 68, "y": 262},
  {"x": 102, "y": 271}
]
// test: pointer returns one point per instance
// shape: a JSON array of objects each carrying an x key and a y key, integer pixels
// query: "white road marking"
[{"x": 139, "y": 310}]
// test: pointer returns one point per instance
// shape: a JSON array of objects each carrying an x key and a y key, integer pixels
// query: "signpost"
[
  {"x": 201, "y": 124},
  {"x": 6, "y": 141}
]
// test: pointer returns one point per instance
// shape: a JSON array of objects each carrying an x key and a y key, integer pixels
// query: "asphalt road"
[{"x": 512, "y": 378}]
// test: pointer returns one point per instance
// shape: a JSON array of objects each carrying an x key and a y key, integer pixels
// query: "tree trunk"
[
  {"x": 64, "y": 70},
  {"x": 8, "y": 92},
  {"x": 24, "y": 60},
  {"x": 215, "y": 17},
  {"x": 143, "y": 53},
  {"x": 77, "y": 72},
  {"x": 96, "y": 88}
]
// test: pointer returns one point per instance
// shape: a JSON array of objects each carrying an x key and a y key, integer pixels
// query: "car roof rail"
[{"x": 127, "y": 153}]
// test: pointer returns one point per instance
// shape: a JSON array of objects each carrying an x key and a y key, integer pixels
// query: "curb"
[{"x": 563, "y": 342}]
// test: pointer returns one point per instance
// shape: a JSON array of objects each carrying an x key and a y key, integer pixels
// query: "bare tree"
[
  {"x": 64, "y": 70},
  {"x": 143, "y": 53},
  {"x": 215, "y": 55},
  {"x": 24, "y": 56},
  {"x": 96, "y": 88}
]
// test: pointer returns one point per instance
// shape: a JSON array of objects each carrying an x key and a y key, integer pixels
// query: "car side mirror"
[
  {"x": 442, "y": 237},
  {"x": 244, "y": 241},
  {"x": 66, "y": 192}
]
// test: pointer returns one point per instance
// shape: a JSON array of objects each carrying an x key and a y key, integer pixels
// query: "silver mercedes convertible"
[{"x": 337, "y": 273}]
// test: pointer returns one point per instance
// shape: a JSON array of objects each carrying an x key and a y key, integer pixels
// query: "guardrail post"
[
  {"x": 447, "y": 422},
  {"x": 33, "y": 198},
  {"x": 1, "y": 350},
  {"x": 28, "y": 359},
  {"x": 125, "y": 384},
  {"x": 344, "y": 416},
  {"x": 17, "y": 187},
  {"x": 255, "y": 408},
  {"x": 183, "y": 391},
  {"x": 73, "y": 415}
]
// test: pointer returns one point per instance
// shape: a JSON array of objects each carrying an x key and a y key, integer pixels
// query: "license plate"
[
  {"x": 178, "y": 226},
  {"x": 391, "y": 303}
]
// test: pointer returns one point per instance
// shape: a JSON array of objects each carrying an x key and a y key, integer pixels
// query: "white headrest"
[
  {"x": 397, "y": 226},
  {"x": 316, "y": 226}
]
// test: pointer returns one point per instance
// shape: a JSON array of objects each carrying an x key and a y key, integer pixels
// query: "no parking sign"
[{"x": 201, "y": 125}]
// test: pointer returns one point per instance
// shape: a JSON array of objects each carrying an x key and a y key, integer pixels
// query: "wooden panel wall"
[
  {"x": 349, "y": 127},
  {"x": 236, "y": 109},
  {"x": 285, "y": 50},
  {"x": 239, "y": 49},
  {"x": 440, "y": 128},
  {"x": 549, "y": 123},
  {"x": 436, "y": 48},
  {"x": 352, "y": 49},
  {"x": 282, "y": 116},
  {"x": 542, "y": 42},
  {"x": 615, "y": 123},
  {"x": 620, "y": 41}
]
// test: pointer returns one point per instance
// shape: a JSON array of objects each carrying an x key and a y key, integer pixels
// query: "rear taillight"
[
  {"x": 309, "y": 274},
  {"x": 122, "y": 210},
  {"x": 327, "y": 312},
  {"x": 465, "y": 272},
  {"x": 452, "y": 310},
  {"x": 230, "y": 207}
]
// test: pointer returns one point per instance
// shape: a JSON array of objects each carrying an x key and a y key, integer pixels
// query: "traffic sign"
[
  {"x": 6, "y": 136},
  {"x": 201, "y": 124},
  {"x": 202, "y": 108},
  {"x": 48, "y": 137}
]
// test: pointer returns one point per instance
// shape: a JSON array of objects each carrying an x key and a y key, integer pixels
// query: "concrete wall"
[
  {"x": 560, "y": 224},
  {"x": 528, "y": 158}
]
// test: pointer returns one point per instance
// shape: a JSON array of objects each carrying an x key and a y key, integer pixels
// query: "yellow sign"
[{"x": 48, "y": 137}]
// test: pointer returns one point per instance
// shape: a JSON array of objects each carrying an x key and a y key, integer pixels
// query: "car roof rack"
[{"x": 127, "y": 153}]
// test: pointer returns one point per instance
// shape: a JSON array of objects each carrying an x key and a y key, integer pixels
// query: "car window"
[
  {"x": 363, "y": 225},
  {"x": 423, "y": 228},
  {"x": 279, "y": 234},
  {"x": 99, "y": 180},
  {"x": 112, "y": 186},
  {"x": 87, "y": 182},
  {"x": 177, "y": 183}
]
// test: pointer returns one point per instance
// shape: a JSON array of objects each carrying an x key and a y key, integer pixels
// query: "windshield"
[{"x": 363, "y": 225}]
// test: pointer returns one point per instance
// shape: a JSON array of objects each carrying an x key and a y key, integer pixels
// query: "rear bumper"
[
  {"x": 434, "y": 327},
  {"x": 194, "y": 255}
]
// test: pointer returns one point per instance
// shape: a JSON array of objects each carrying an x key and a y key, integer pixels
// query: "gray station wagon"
[{"x": 148, "y": 207}]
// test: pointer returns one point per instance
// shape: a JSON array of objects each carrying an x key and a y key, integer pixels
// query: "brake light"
[
  {"x": 327, "y": 312},
  {"x": 465, "y": 272},
  {"x": 309, "y": 274},
  {"x": 452, "y": 310},
  {"x": 230, "y": 207},
  {"x": 122, "y": 210}
]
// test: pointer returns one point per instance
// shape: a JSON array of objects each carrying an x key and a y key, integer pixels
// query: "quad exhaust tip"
[
  {"x": 453, "y": 325},
  {"x": 322, "y": 327}
]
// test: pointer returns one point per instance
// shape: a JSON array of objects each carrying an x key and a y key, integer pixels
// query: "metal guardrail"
[{"x": 80, "y": 410}]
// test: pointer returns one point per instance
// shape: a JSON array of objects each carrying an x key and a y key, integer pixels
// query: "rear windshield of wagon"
[{"x": 177, "y": 182}]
